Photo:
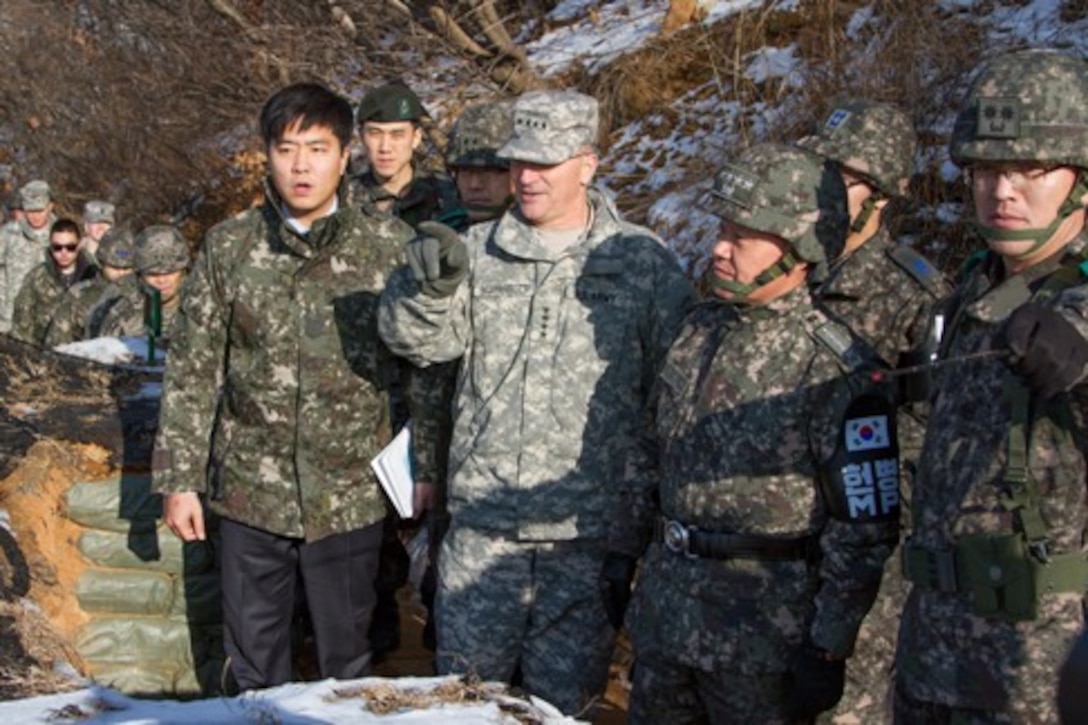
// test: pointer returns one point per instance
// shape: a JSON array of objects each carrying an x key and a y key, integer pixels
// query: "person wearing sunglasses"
[{"x": 46, "y": 285}]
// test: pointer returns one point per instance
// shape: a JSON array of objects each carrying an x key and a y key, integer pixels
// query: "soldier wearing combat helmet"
[
  {"x": 872, "y": 146},
  {"x": 996, "y": 555},
  {"x": 761, "y": 506},
  {"x": 482, "y": 178},
  {"x": 162, "y": 259}
]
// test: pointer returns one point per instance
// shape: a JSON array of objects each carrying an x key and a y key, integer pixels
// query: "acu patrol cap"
[
  {"x": 160, "y": 249},
  {"x": 875, "y": 140},
  {"x": 1029, "y": 105},
  {"x": 35, "y": 195},
  {"x": 478, "y": 134},
  {"x": 392, "y": 102},
  {"x": 551, "y": 127},
  {"x": 98, "y": 211},
  {"x": 785, "y": 191},
  {"x": 116, "y": 249}
]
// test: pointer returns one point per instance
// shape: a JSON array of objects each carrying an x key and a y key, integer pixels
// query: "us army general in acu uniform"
[
  {"x": 885, "y": 292},
  {"x": 997, "y": 554},
  {"x": 562, "y": 311},
  {"x": 275, "y": 399},
  {"x": 765, "y": 484}
]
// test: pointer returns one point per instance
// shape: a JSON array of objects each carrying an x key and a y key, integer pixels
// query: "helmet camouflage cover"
[
  {"x": 785, "y": 191},
  {"x": 875, "y": 140},
  {"x": 116, "y": 249},
  {"x": 160, "y": 249},
  {"x": 479, "y": 132},
  {"x": 1025, "y": 106}
]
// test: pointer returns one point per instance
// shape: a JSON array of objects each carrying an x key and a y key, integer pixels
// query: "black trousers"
[{"x": 259, "y": 573}]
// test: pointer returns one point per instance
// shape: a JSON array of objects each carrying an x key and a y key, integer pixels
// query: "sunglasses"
[{"x": 64, "y": 247}]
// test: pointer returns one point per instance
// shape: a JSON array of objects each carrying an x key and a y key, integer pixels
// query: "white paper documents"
[{"x": 393, "y": 467}]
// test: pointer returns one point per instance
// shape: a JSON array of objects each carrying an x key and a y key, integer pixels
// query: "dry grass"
[
  {"x": 386, "y": 699},
  {"x": 911, "y": 54}
]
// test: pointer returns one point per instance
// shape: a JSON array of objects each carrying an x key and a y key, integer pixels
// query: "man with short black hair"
[
  {"x": 277, "y": 336},
  {"x": 389, "y": 126}
]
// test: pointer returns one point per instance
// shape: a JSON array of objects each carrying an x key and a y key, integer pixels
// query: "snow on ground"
[
  {"x": 329, "y": 701},
  {"x": 593, "y": 33}
]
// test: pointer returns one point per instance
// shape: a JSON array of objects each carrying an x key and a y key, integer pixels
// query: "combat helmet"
[
  {"x": 1031, "y": 106},
  {"x": 116, "y": 249},
  {"x": 785, "y": 191},
  {"x": 873, "y": 140},
  {"x": 160, "y": 249},
  {"x": 478, "y": 133}
]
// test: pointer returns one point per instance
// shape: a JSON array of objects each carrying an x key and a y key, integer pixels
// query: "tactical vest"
[{"x": 1008, "y": 573}]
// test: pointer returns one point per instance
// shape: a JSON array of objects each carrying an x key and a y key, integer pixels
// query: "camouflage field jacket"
[
  {"x": 948, "y": 654},
  {"x": 21, "y": 250},
  {"x": 560, "y": 350},
  {"x": 276, "y": 389},
  {"x": 748, "y": 409}
]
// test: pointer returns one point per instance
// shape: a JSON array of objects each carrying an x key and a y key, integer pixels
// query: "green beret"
[{"x": 392, "y": 102}]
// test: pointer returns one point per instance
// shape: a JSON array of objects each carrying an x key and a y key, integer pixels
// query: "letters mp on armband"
[{"x": 861, "y": 480}]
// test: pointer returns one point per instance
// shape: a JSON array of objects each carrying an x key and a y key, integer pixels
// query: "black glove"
[
  {"x": 617, "y": 574},
  {"x": 438, "y": 258},
  {"x": 1048, "y": 352},
  {"x": 816, "y": 683}
]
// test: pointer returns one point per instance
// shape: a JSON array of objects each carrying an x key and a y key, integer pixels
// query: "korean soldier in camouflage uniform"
[
  {"x": 482, "y": 178},
  {"x": 277, "y": 338},
  {"x": 79, "y": 315},
  {"x": 47, "y": 284},
  {"x": 483, "y": 184},
  {"x": 162, "y": 260},
  {"x": 389, "y": 125},
  {"x": 765, "y": 483},
  {"x": 562, "y": 311},
  {"x": 996, "y": 556},
  {"x": 22, "y": 244},
  {"x": 872, "y": 146}
]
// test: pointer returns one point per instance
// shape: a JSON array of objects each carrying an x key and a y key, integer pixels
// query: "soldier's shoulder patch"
[{"x": 920, "y": 269}]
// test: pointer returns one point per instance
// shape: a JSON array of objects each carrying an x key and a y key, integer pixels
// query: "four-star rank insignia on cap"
[
  {"x": 735, "y": 185},
  {"x": 998, "y": 118}
]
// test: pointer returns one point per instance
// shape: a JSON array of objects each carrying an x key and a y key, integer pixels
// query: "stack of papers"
[{"x": 393, "y": 467}]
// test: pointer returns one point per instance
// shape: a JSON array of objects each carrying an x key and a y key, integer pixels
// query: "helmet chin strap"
[
  {"x": 742, "y": 291},
  {"x": 867, "y": 208},
  {"x": 1040, "y": 237}
]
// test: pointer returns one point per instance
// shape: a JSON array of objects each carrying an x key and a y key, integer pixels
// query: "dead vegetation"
[{"x": 387, "y": 699}]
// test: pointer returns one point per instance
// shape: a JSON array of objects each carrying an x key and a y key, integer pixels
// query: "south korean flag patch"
[{"x": 861, "y": 480}]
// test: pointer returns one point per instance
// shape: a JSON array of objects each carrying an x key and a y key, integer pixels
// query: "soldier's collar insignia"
[{"x": 998, "y": 118}]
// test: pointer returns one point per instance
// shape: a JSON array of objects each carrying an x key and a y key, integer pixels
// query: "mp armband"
[{"x": 860, "y": 482}]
